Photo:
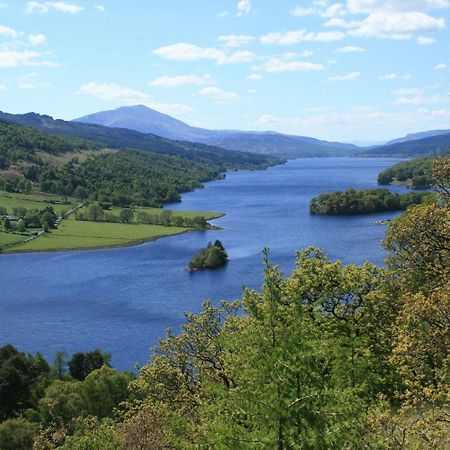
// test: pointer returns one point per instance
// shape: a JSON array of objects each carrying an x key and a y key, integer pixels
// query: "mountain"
[
  {"x": 126, "y": 138},
  {"x": 416, "y": 136},
  {"x": 428, "y": 146},
  {"x": 147, "y": 120}
]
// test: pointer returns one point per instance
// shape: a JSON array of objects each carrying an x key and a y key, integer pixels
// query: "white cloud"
[
  {"x": 218, "y": 95},
  {"x": 8, "y": 31},
  {"x": 124, "y": 95},
  {"x": 100, "y": 8},
  {"x": 254, "y": 77},
  {"x": 180, "y": 80},
  {"x": 112, "y": 91},
  {"x": 233, "y": 40},
  {"x": 189, "y": 52},
  {"x": 388, "y": 76},
  {"x": 397, "y": 25},
  {"x": 420, "y": 99},
  {"x": 370, "y": 6},
  {"x": 2, "y": 87},
  {"x": 440, "y": 66},
  {"x": 31, "y": 84},
  {"x": 243, "y": 7},
  {"x": 341, "y": 23},
  {"x": 223, "y": 13},
  {"x": 350, "y": 49},
  {"x": 425, "y": 40},
  {"x": 15, "y": 58},
  {"x": 276, "y": 65},
  {"x": 319, "y": 8},
  {"x": 44, "y": 7},
  {"x": 294, "y": 37},
  {"x": 349, "y": 77},
  {"x": 37, "y": 39}
]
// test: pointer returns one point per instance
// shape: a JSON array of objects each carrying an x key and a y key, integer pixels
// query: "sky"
[{"x": 348, "y": 70}]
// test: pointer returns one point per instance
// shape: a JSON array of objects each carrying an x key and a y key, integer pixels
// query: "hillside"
[
  {"x": 419, "y": 135},
  {"x": 143, "y": 119},
  {"x": 29, "y": 162},
  {"x": 429, "y": 146},
  {"x": 126, "y": 138}
]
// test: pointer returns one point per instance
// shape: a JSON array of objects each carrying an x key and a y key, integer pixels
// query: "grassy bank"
[{"x": 75, "y": 234}]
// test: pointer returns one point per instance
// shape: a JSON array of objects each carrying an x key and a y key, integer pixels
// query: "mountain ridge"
[{"x": 147, "y": 120}]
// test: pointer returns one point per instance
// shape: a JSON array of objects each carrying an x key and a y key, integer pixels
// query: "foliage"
[
  {"x": 82, "y": 364},
  {"x": 17, "y": 434},
  {"x": 19, "y": 375},
  {"x": 363, "y": 202},
  {"x": 211, "y": 257},
  {"x": 415, "y": 172}
]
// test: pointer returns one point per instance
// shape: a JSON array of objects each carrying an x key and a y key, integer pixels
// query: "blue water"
[{"x": 123, "y": 300}]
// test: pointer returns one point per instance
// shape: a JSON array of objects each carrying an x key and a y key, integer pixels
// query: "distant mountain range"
[
  {"x": 138, "y": 127},
  {"x": 416, "y": 136},
  {"x": 147, "y": 120}
]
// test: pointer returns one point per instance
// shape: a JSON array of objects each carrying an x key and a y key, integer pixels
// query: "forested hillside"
[
  {"x": 434, "y": 145},
  {"x": 122, "y": 177},
  {"x": 330, "y": 357},
  {"x": 125, "y": 138}
]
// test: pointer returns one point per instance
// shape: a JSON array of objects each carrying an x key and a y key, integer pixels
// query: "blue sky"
[{"x": 348, "y": 70}]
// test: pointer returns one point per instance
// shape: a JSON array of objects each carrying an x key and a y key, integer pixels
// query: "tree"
[
  {"x": 82, "y": 364},
  {"x": 21, "y": 226},
  {"x": 60, "y": 364},
  {"x": 126, "y": 215},
  {"x": 19, "y": 374},
  {"x": 17, "y": 434},
  {"x": 62, "y": 403},
  {"x": 6, "y": 224},
  {"x": 103, "y": 389}
]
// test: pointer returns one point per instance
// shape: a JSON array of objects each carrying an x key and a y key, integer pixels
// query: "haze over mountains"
[
  {"x": 147, "y": 120},
  {"x": 142, "y": 128}
]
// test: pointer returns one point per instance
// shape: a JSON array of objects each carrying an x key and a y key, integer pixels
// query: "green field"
[
  {"x": 74, "y": 234},
  {"x": 34, "y": 201},
  {"x": 10, "y": 238}
]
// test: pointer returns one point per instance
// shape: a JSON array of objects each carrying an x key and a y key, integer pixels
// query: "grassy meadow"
[{"x": 74, "y": 234}]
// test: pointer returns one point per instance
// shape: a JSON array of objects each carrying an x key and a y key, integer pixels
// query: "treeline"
[
  {"x": 353, "y": 201},
  {"x": 41, "y": 403},
  {"x": 101, "y": 213},
  {"x": 28, "y": 218},
  {"x": 330, "y": 357},
  {"x": 416, "y": 173}
]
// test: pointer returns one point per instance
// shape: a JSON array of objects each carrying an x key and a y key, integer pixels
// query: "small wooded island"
[
  {"x": 353, "y": 201},
  {"x": 211, "y": 257}
]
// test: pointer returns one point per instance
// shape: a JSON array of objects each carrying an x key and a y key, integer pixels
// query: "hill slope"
[
  {"x": 429, "y": 146},
  {"x": 122, "y": 177},
  {"x": 126, "y": 138},
  {"x": 143, "y": 119},
  {"x": 419, "y": 135}
]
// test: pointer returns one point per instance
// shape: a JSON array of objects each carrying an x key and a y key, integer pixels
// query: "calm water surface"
[{"x": 122, "y": 300}]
